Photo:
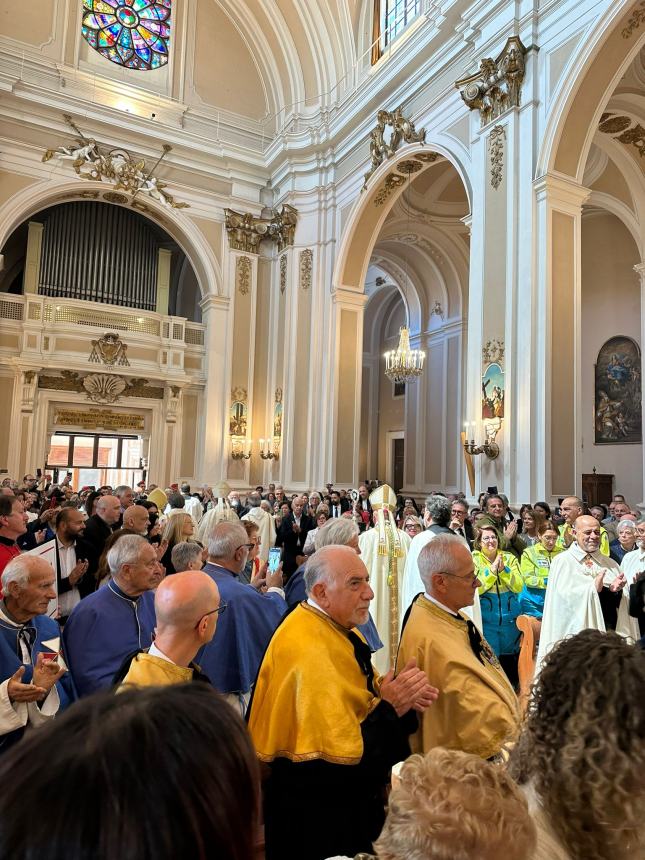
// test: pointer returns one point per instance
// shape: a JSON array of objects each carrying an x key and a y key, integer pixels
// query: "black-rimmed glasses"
[{"x": 219, "y": 609}]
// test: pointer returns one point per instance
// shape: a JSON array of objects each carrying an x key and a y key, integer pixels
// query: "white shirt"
[
  {"x": 633, "y": 562},
  {"x": 153, "y": 651},
  {"x": 67, "y": 562},
  {"x": 194, "y": 507}
]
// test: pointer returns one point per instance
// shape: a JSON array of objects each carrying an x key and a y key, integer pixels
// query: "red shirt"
[{"x": 8, "y": 549}]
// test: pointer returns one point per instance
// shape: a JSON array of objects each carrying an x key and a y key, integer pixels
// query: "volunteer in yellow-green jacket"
[
  {"x": 499, "y": 595},
  {"x": 534, "y": 567},
  {"x": 571, "y": 508},
  {"x": 187, "y": 606}
]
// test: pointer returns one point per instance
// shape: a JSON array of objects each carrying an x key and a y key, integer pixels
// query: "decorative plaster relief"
[
  {"x": 109, "y": 350},
  {"x": 496, "y": 151},
  {"x": 624, "y": 129},
  {"x": 635, "y": 20},
  {"x": 493, "y": 352},
  {"x": 283, "y": 273},
  {"x": 496, "y": 87},
  {"x": 306, "y": 267},
  {"x": 243, "y": 274},
  {"x": 246, "y": 231},
  {"x": 391, "y": 130}
]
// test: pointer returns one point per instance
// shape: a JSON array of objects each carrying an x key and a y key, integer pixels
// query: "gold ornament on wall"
[
  {"x": 391, "y": 182},
  {"x": 283, "y": 273},
  {"x": 103, "y": 387},
  {"x": 496, "y": 87},
  {"x": 306, "y": 261},
  {"x": 624, "y": 129},
  {"x": 496, "y": 152},
  {"x": 493, "y": 352},
  {"x": 391, "y": 130},
  {"x": 109, "y": 350},
  {"x": 636, "y": 18},
  {"x": 243, "y": 274},
  {"x": 129, "y": 174},
  {"x": 246, "y": 231}
]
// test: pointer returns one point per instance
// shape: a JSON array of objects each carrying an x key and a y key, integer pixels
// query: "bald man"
[
  {"x": 99, "y": 527},
  {"x": 187, "y": 606},
  {"x": 586, "y": 590},
  {"x": 136, "y": 518},
  {"x": 571, "y": 508}
]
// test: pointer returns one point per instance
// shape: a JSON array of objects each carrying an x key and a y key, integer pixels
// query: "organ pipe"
[{"x": 101, "y": 253}]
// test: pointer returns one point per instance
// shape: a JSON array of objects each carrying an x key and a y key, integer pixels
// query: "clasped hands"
[
  {"x": 617, "y": 585},
  {"x": 45, "y": 675},
  {"x": 409, "y": 689}
]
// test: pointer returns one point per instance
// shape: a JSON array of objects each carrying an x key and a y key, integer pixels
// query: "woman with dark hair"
[
  {"x": 158, "y": 773},
  {"x": 543, "y": 508},
  {"x": 581, "y": 753}
]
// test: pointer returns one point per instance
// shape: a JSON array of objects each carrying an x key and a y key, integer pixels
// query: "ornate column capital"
[
  {"x": 496, "y": 87},
  {"x": 246, "y": 231}
]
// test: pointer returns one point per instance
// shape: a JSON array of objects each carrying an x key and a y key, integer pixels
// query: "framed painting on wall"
[{"x": 617, "y": 411}]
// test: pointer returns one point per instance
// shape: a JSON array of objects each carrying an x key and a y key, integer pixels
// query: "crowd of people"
[{"x": 317, "y": 675}]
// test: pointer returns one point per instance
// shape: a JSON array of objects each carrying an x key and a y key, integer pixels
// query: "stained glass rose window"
[{"x": 131, "y": 33}]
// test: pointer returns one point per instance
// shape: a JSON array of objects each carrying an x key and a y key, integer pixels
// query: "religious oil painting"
[
  {"x": 618, "y": 393},
  {"x": 493, "y": 392},
  {"x": 237, "y": 418},
  {"x": 277, "y": 419}
]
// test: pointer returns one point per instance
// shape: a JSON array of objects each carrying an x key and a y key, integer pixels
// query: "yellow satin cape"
[
  {"x": 311, "y": 696},
  {"x": 146, "y": 670}
]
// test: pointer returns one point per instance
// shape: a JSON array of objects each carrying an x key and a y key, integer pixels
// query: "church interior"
[{"x": 253, "y": 249}]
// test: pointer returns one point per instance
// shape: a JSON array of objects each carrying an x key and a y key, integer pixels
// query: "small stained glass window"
[{"x": 131, "y": 33}]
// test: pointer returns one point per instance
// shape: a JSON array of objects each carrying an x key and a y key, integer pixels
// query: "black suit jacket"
[
  {"x": 292, "y": 544},
  {"x": 469, "y": 533},
  {"x": 344, "y": 506},
  {"x": 87, "y": 584},
  {"x": 96, "y": 533}
]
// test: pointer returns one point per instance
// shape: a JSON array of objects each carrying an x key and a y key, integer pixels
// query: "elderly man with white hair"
[
  {"x": 34, "y": 686},
  {"x": 232, "y": 659},
  {"x": 116, "y": 620}
]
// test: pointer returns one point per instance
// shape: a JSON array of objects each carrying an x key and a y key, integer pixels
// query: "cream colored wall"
[
  {"x": 37, "y": 24},
  {"x": 610, "y": 306},
  {"x": 188, "y": 434},
  {"x": 391, "y": 418},
  {"x": 12, "y": 183},
  {"x": 6, "y": 398}
]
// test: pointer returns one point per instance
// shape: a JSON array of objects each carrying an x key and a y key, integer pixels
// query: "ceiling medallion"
[
  {"x": 114, "y": 197},
  {"x": 409, "y": 166},
  {"x": 619, "y": 128}
]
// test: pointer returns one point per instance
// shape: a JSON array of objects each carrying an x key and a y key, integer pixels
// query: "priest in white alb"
[
  {"x": 586, "y": 590},
  {"x": 264, "y": 521},
  {"x": 220, "y": 512},
  {"x": 383, "y": 550}
]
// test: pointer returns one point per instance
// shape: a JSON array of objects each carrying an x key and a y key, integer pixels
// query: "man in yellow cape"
[
  {"x": 477, "y": 710},
  {"x": 326, "y": 725}
]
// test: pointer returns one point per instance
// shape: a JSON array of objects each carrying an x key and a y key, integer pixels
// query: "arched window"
[{"x": 130, "y": 33}]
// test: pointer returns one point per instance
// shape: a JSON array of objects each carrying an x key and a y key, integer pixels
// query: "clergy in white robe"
[
  {"x": 383, "y": 550},
  {"x": 586, "y": 590},
  {"x": 413, "y": 585},
  {"x": 221, "y": 512},
  {"x": 264, "y": 522}
]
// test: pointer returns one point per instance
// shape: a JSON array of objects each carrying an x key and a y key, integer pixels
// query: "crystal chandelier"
[{"x": 404, "y": 364}]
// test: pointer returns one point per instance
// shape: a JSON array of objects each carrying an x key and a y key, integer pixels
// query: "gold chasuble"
[
  {"x": 146, "y": 670},
  {"x": 310, "y": 706},
  {"x": 477, "y": 711}
]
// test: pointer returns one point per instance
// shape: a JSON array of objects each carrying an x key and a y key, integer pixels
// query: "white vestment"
[
  {"x": 633, "y": 562},
  {"x": 380, "y": 607},
  {"x": 571, "y": 603},
  {"x": 218, "y": 514},
  {"x": 265, "y": 523},
  {"x": 413, "y": 585}
]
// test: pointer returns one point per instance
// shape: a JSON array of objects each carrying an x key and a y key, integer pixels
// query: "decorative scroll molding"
[
  {"x": 635, "y": 20},
  {"x": 404, "y": 168},
  {"x": 246, "y": 231},
  {"x": 109, "y": 350},
  {"x": 90, "y": 161},
  {"x": 493, "y": 352},
  {"x": 390, "y": 184},
  {"x": 100, "y": 387},
  {"x": 391, "y": 130},
  {"x": 306, "y": 268},
  {"x": 243, "y": 274},
  {"x": 283, "y": 273},
  {"x": 624, "y": 129},
  {"x": 496, "y": 152},
  {"x": 496, "y": 87}
]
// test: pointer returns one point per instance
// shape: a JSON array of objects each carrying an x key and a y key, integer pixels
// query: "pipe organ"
[{"x": 99, "y": 253}]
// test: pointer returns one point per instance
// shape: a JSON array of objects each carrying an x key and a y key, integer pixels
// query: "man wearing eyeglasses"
[
  {"x": 232, "y": 659},
  {"x": 187, "y": 606},
  {"x": 477, "y": 711}
]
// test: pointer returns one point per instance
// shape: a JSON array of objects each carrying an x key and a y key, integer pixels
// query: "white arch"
[{"x": 33, "y": 199}]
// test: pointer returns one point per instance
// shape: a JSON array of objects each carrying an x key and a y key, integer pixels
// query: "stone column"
[
  {"x": 32, "y": 261},
  {"x": 640, "y": 269},
  {"x": 213, "y": 447},
  {"x": 163, "y": 280}
]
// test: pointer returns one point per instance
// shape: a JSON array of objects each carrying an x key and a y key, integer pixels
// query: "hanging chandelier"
[{"x": 404, "y": 364}]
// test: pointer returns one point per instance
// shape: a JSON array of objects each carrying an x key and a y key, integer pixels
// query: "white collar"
[
  {"x": 315, "y": 606},
  {"x": 153, "y": 651},
  {"x": 580, "y": 554},
  {"x": 441, "y": 605}
]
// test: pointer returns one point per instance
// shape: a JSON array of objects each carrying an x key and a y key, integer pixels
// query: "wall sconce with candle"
[
  {"x": 240, "y": 448},
  {"x": 269, "y": 451},
  {"x": 490, "y": 446}
]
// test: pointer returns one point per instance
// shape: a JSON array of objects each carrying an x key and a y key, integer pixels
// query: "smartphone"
[
  {"x": 275, "y": 554},
  {"x": 39, "y": 473},
  {"x": 69, "y": 474}
]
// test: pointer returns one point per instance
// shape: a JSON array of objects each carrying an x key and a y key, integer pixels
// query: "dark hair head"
[
  {"x": 154, "y": 772},
  {"x": 176, "y": 500},
  {"x": 543, "y": 506},
  {"x": 6, "y": 505}
]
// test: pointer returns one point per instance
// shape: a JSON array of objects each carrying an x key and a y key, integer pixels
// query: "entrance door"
[{"x": 398, "y": 452}]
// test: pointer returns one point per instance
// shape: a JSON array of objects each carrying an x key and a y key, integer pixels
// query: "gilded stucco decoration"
[
  {"x": 636, "y": 18},
  {"x": 283, "y": 273},
  {"x": 624, "y": 129},
  {"x": 246, "y": 231},
  {"x": 306, "y": 268},
  {"x": 95, "y": 383},
  {"x": 391, "y": 130},
  {"x": 493, "y": 351},
  {"x": 391, "y": 182},
  {"x": 125, "y": 171},
  {"x": 497, "y": 85},
  {"x": 243, "y": 275},
  {"x": 496, "y": 154},
  {"x": 109, "y": 350}
]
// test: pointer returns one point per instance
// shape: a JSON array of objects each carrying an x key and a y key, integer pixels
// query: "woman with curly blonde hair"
[
  {"x": 581, "y": 752},
  {"x": 451, "y": 805}
]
